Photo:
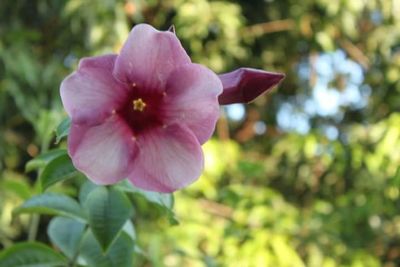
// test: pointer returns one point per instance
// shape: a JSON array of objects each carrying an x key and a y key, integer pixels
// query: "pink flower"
[{"x": 144, "y": 114}]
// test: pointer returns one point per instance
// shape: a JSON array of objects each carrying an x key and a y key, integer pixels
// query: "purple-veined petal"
[
  {"x": 91, "y": 93},
  {"x": 169, "y": 158},
  {"x": 244, "y": 85},
  {"x": 148, "y": 57},
  {"x": 192, "y": 99},
  {"x": 104, "y": 152}
]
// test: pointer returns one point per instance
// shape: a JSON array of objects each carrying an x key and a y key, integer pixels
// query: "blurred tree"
[{"x": 306, "y": 176}]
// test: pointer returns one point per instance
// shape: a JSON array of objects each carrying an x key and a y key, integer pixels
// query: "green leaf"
[
  {"x": 17, "y": 186},
  {"x": 85, "y": 190},
  {"x": 66, "y": 234},
  {"x": 59, "y": 169},
  {"x": 120, "y": 253},
  {"x": 31, "y": 254},
  {"x": 43, "y": 159},
  {"x": 161, "y": 199},
  {"x": 129, "y": 229},
  {"x": 172, "y": 218},
  {"x": 54, "y": 204},
  {"x": 63, "y": 129},
  {"x": 108, "y": 210}
]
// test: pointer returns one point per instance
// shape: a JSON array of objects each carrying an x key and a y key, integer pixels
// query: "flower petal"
[
  {"x": 244, "y": 85},
  {"x": 104, "y": 152},
  {"x": 104, "y": 61},
  {"x": 192, "y": 99},
  {"x": 90, "y": 94},
  {"x": 169, "y": 158},
  {"x": 148, "y": 57}
]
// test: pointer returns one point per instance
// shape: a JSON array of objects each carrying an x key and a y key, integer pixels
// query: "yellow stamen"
[{"x": 138, "y": 104}]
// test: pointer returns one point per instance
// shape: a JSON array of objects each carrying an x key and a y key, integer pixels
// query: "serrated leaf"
[
  {"x": 62, "y": 129},
  {"x": 120, "y": 253},
  {"x": 108, "y": 209},
  {"x": 59, "y": 169},
  {"x": 31, "y": 254},
  {"x": 54, "y": 204},
  {"x": 66, "y": 234},
  {"x": 43, "y": 159}
]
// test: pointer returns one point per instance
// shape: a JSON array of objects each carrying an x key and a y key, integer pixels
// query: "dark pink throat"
[{"x": 142, "y": 110}]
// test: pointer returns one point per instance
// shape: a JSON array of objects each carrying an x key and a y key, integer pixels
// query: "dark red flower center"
[{"x": 142, "y": 110}]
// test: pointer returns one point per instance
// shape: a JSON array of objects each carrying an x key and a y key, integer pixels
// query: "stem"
[
  {"x": 33, "y": 227},
  {"x": 35, "y": 218}
]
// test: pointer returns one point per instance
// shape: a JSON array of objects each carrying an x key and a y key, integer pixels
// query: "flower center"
[
  {"x": 143, "y": 109},
  {"x": 138, "y": 104}
]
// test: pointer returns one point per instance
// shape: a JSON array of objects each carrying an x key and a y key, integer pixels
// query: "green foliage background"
[{"x": 322, "y": 195}]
